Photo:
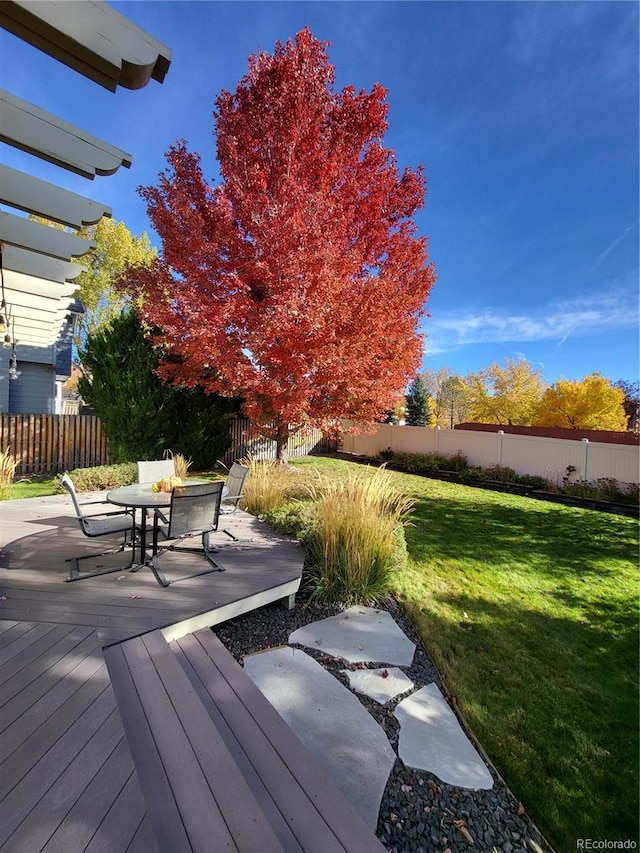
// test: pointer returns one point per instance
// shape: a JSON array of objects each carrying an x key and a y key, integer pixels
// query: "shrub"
[
  {"x": 502, "y": 473},
  {"x": 121, "y": 366},
  {"x": 290, "y": 519},
  {"x": 8, "y": 466},
  {"x": 356, "y": 540},
  {"x": 605, "y": 489},
  {"x": 103, "y": 477},
  {"x": 534, "y": 481},
  {"x": 416, "y": 463},
  {"x": 473, "y": 475},
  {"x": 458, "y": 462}
]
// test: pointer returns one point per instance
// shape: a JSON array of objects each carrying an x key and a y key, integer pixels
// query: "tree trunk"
[{"x": 282, "y": 440}]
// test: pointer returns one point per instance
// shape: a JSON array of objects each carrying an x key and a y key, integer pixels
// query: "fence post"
[
  {"x": 585, "y": 442},
  {"x": 438, "y": 428},
  {"x": 500, "y": 440}
]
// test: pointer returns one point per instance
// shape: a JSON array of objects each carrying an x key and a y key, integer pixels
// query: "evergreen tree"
[
  {"x": 418, "y": 409},
  {"x": 141, "y": 416}
]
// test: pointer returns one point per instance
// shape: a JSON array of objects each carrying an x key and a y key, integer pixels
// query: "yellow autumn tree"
[
  {"x": 505, "y": 395},
  {"x": 447, "y": 396},
  {"x": 116, "y": 249},
  {"x": 592, "y": 403}
]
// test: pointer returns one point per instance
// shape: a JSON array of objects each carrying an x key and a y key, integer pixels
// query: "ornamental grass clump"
[
  {"x": 356, "y": 538},
  {"x": 269, "y": 485},
  {"x": 8, "y": 465},
  {"x": 181, "y": 465}
]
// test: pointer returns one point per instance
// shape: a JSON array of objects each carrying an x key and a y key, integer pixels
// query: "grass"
[
  {"x": 530, "y": 611},
  {"x": 269, "y": 485},
  {"x": 33, "y": 488}
]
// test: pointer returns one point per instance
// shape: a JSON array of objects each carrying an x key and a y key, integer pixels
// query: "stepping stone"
[
  {"x": 330, "y": 721},
  {"x": 359, "y": 634},
  {"x": 431, "y": 738},
  {"x": 375, "y": 684}
]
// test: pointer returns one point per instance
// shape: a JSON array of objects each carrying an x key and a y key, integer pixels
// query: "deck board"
[
  {"x": 125, "y": 826},
  {"x": 43, "y": 653},
  {"x": 67, "y": 776},
  {"x": 198, "y": 771},
  {"x": 64, "y": 759}
]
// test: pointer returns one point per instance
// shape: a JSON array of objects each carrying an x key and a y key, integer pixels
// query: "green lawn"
[
  {"x": 530, "y": 611},
  {"x": 33, "y": 489}
]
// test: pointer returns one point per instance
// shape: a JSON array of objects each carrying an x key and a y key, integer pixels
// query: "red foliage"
[{"x": 299, "y": 280}]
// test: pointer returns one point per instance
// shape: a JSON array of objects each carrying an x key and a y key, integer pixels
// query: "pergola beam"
[
  {"x": 44, "y": 239},
  {"x": 40, "y": 266},
  {"x": 90, "y": 37},
  {"x": 38, "y": 132},
  {"x": 33, "y": 195}
]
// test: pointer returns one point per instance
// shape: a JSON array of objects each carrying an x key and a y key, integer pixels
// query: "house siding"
[{"x": 34, "y": 390}]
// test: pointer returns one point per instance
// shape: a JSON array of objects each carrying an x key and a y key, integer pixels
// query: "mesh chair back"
[
  {"x": 67, "y": 482},
  {"x": 194, "y": 509},
  {"x": 156, "y": 469},
  {"x": 99, "y": 524},
  {"x": 235, "y": 482}
]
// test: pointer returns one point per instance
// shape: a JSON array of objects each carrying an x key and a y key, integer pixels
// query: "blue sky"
[{"x": 524, "y": 115}]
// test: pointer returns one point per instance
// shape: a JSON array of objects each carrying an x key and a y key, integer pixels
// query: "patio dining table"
[{"x": 140, "y": 496}]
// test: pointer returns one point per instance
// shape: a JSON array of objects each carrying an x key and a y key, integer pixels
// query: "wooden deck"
[
  {"x": 37, "y": 535},
  {"x": 67, "y": 778}
]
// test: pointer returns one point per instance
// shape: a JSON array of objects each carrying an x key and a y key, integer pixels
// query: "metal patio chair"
[
  {"x": 155, "y": 469},
  {"x": 100, "y": 524},
  {"x": 194, "y": 511},
  {"x": 233, "y": 491}
]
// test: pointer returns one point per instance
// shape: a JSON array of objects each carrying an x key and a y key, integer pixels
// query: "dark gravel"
[{"x": 418, "y": 813}]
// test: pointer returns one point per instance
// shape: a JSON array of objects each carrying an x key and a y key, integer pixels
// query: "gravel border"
[{"x": 419, "y": 813}]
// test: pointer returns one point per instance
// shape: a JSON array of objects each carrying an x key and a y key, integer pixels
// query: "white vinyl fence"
[{"x": 526, "y": 454}]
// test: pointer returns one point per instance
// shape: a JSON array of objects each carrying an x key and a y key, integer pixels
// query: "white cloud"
[{"x": 453, "y": 330}]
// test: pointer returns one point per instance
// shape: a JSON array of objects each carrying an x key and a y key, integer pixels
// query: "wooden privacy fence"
[
  {"x": 301, "y": 444},
  {"x": 47, "y": 444}
]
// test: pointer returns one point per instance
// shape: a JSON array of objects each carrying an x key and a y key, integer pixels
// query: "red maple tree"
[{"x": 297, "y": 282}]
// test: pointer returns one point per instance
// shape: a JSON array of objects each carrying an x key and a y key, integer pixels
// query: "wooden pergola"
[{"x": 36, "y": 261}]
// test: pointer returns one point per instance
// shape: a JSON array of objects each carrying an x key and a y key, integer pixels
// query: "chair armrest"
[
  {"x": 124, "y": 511},
  {"x": 160, "y": 515}
]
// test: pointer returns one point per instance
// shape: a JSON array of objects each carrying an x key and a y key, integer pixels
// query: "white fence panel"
[
  {"x": 474, "y": 445},
  {"x": 543, "y": 457},
  {"x": 620, "y": 461},
  {"x": 368, "y": 445},
  {"x": 412, "y": 439},
  {"x": 526, "y": 454}
]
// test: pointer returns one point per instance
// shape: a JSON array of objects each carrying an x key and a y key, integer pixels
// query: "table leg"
[{"x": 143, "y": 541}]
